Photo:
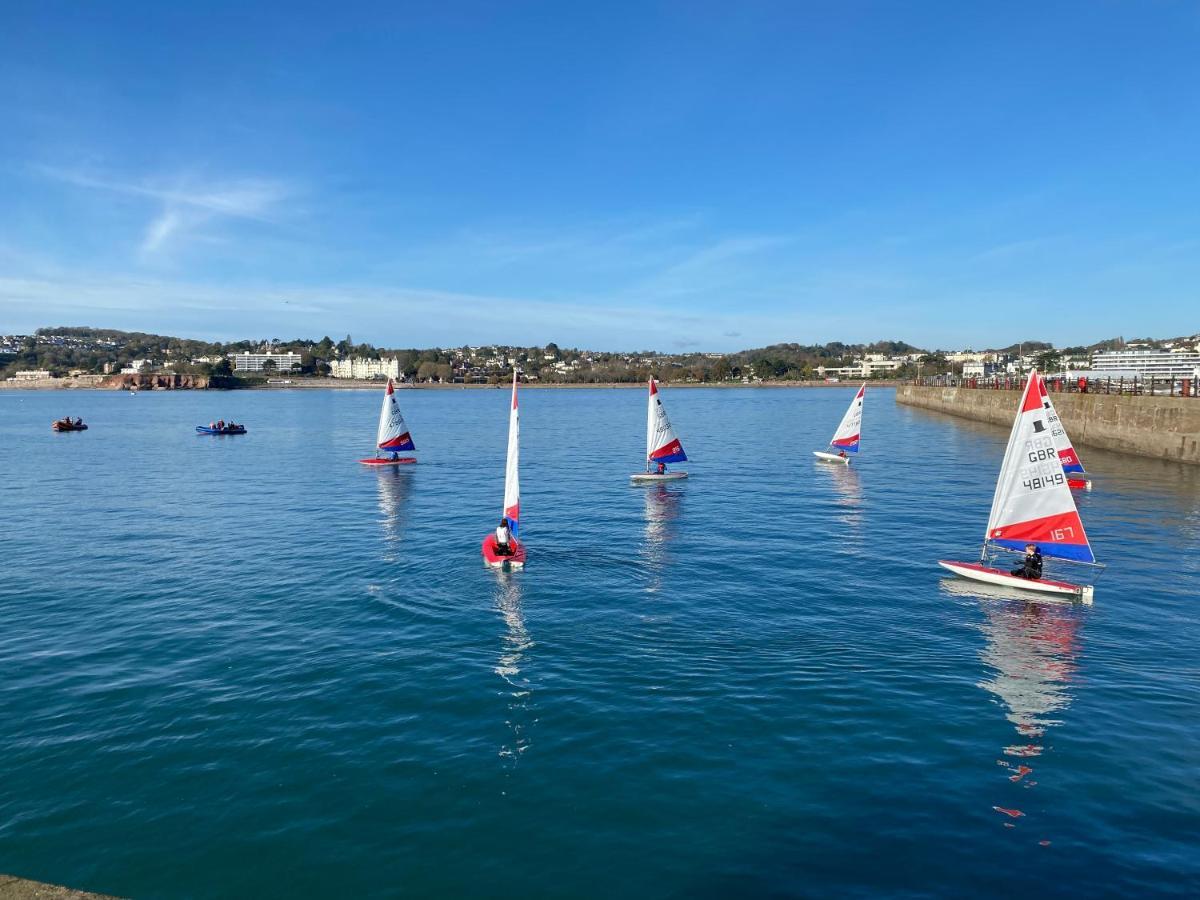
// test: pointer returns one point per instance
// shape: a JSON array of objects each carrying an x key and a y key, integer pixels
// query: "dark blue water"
[{"x": 250, "y": 666}]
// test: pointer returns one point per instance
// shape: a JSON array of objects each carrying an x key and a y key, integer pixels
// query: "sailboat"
[
  {"x": 849, "y": 432},
  {"x": 1032, "y": 505},
  {"x": 662, "y": 446},
  {"x": 392, "y": 436},
  {"x": 515, "y": 558},
  {"x": 1076, "y": 477}
]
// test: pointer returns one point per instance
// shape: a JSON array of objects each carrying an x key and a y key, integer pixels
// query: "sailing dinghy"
[
  {"x": 515, "y": 558},
  {"x": 849, "y": 432},
  {"x": 662, "y": 446},
  {"x": 392, "y": 436},
  {"x": 1032, "y": 505},
  {"x": 1076, "y": 477}
]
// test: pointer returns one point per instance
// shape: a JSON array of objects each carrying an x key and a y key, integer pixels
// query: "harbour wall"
[{"x": 1159, "y": 427}]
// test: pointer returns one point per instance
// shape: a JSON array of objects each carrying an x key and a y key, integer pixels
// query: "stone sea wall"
[{"x": 1159, "y": 427}]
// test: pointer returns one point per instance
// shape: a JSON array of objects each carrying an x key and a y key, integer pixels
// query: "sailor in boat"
[
  {"x": 1031, "y": 568},
  {"x": 842, "y": 454},
  {"x": 503, "y": 539},
  {"x": 662, "y": 469}
]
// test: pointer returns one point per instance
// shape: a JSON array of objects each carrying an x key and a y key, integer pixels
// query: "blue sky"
[{"x": 667, "y": 176}]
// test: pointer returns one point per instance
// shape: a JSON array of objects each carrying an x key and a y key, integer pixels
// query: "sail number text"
[{"x": 1044, "y": 469}]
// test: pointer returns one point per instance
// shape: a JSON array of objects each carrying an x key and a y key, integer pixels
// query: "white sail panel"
[
  {"x": 512, "y": 479},
  {"x": 393, "y": 432},
  {"x": 1032, "y": 503},
  {"x": 662, "y": 446},
  {"x": 849, "y": 432}
]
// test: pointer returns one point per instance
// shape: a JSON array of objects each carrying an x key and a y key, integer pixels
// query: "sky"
[{"x": 667, "y": 176}]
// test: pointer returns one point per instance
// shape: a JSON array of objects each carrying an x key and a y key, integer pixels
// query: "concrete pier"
[
  {"x": 13, "y": 888},
  {"x": 1158, "y": 427}
]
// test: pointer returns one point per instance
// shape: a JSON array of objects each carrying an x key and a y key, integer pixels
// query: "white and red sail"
[
  {"x": 512, "y": 478},
  {"x": 1062, "y": 443},
  {"x": 662, "y": 446},
  {"x": 849, "y": 432},
  {"x": 1032, "y": 503},
  {"x": 393, "y": 433}
]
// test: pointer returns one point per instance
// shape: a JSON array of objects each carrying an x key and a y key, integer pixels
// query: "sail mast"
[
  {"x": 512, "y": 482},
  {"x": 650, "y": 420}
]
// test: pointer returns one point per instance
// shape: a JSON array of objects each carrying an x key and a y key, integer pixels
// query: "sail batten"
[
  {"x": 393, "y": 434},
  {"x": 1032, "y": 503},
  {"x": 512, "y": 478},
  {"x": 662, "y": 445},
  {"x": 849, "y": 430}
]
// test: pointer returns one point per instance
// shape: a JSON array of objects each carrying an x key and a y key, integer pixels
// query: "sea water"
[{"x": 246, "y": 666}]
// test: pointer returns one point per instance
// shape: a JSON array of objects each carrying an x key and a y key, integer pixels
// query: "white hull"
[
  {"x": 504, "y": 562},
  {"x": 977, "y": 572},
  {"x": 649, "y": 477},
  {"x": 831, "y": 457}
]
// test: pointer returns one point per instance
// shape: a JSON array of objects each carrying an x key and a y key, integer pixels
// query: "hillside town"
[{"x": 85, "y": 353}]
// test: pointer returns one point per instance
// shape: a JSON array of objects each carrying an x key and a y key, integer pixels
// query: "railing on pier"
[{"x": 1134, "y": 386}]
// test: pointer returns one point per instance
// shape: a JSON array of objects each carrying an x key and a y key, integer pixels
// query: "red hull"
[
  {"x": 492, "y": 558},
  {"x": 384, "y": 461}
]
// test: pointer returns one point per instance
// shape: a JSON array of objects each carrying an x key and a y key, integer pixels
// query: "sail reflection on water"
[
  {"x": 1030, "y": 651},
  {"x": 848, "y": 496},
  {"x": 663, "y": 506},
  {"x": 393, "y": 484},
  {"x": 515, "y": 645}
]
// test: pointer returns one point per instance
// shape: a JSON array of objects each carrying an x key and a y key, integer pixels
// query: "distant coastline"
[{"x": 100, "y": 383}]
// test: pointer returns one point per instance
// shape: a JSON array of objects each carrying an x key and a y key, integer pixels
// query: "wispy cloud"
[
  {"x": 428, "y": 316},
  {"x": 184, "y": 203}
]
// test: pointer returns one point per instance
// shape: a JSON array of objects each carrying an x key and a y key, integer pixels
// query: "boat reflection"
[
  {"x": 394, "y": 487},
  {"x": 1030, "y": 653},
  {"x": 663, "y": 507},
  {"x": 847, "y": 489},
  {"x": 515, "y": 644}
]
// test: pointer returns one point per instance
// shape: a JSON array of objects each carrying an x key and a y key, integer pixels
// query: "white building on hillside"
[
  {"x": 1146, "y": 362},
  {"x": 980, "y": 369},
  {"x": 365, "y": 368},
  {"x": 257, "y": 362},
  {"x": 140, "y": 367},
  {"x": 879, "y": 364}
]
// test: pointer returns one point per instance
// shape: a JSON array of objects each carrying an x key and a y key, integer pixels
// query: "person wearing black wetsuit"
[{"x": 1031, "y": 567}]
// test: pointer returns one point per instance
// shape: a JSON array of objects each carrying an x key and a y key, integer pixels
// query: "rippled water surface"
[{"x": 251, "y": 666}]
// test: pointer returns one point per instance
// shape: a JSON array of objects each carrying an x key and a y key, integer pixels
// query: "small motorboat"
[
  {"x": 227, "y": 429},
  {"x": 68, "y": 425}
]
